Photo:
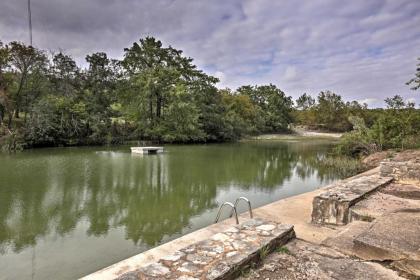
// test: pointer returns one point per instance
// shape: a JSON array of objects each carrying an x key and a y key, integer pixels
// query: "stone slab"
[
  {"x": 343, "y": 241},
  {"x": 332, "y": 206},
  {"x": 393, "y": 237},
  {"x": 220, "y": 257},
  {"x": 304, "y": 260},
  {"x": 409, "y": 191},
  {"x": 379, "y": 204}
]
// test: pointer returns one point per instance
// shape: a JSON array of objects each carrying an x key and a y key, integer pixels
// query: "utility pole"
[{"x": 30, "y": 22}]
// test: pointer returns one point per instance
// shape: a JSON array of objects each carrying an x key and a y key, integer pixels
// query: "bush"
[
  {"x": 398, "y": 127},
  {"x": 11, "y": 142},
  {"x": 343, "y": 166}
]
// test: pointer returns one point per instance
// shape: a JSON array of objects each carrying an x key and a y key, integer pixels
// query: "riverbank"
[
  {"x": 298, "y": 133},
  {"x": 377, "y": 238},
  {"x": 12, "y": 144},
  {"x": 320, "y": 242},
  {"x": 294, "y": 210},
  {"x": 100, "y": 205}
]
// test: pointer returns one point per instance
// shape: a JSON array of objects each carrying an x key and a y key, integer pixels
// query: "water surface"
[{"x": 67, "y": 212}]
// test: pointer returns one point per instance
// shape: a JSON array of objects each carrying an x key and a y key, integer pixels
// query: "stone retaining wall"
[
  {"x": 332, "y": 207},
  {"x": 401, "y": 171}
]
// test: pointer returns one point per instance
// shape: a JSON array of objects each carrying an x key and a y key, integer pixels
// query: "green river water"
[{"x": 67, "y": 212}]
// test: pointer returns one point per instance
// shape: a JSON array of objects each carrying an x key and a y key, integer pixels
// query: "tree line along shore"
[{"x": 156, "y": 93}]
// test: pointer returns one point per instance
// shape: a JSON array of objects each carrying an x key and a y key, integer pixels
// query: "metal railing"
[
  {"x": 233, "y": 211},
  {"x": 249, "y": 205}
]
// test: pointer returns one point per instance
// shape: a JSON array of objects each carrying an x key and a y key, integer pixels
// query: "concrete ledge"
[
  {"x": 332, "y": 206},
  {"x": 220, "y": 257}
]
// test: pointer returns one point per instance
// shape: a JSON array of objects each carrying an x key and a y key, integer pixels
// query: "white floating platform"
[{"x": 147, "y": 150}]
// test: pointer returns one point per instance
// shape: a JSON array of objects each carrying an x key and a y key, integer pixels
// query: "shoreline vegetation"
[{"x": 156, "y": 94}]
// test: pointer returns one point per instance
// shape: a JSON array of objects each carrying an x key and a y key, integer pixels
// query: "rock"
[
  {"x": 266, "y": 227},
  {"x": 173, "y": 258},
  {"x": 220, "y": 237},
  {"x": 375, "y": 159},
  {"x": 155, "y": 270},
  {"x": 392, "y": 237},
  {"x": 187, "y": 278},
  {"x": 217, "y": 271}
]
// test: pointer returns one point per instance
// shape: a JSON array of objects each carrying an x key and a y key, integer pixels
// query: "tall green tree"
[
  {"x": 330, "y": 111},
  {"x": 24, "y": 61},
  {"x": 305, "y": 102},
  {"x": 99, "y": 93},
  {"x": 5, "y": 103},
  {"x": 152, "y": 71},
  {"x": 275, "y": 106}
]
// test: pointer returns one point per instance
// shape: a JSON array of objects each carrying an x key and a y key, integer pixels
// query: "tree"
[
  {"x": 151, "y": 73},
  {"x": 305, "y": 102},
  {"x": 5, "y": 104},
  {"x": 415, "y": 82},
  {"x": 24, "y": 60},
  {"x": 99, "y": 93},
  {"x": 242, "y": 117},
  {"x": 330, "y": 111},
  {"x": 274, "y": 106},
  {"x": 181, "y": 121},
  {"x": 64, "y": 75}
]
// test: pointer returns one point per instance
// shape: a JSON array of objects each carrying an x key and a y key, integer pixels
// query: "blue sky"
[{"x": 364, "y": 50}]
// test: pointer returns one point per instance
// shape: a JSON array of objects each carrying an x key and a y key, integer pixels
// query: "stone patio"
[{"x": 220, "y": 257}]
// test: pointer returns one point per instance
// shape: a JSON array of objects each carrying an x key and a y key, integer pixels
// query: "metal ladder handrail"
[
  {"x": 233, "y": 211},
  {"x": 249, "y": 205}
]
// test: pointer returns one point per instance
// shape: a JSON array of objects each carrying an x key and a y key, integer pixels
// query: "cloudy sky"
[{"x": 364, "y": 50}]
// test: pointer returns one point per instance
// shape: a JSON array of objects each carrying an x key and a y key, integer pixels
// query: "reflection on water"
[{"x": 73, "y": 211}]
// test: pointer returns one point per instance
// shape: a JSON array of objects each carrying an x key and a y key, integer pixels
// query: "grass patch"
[
  {"x": 343, "y": 166},
  {"x": 283, "y": 250},
  {"x": 264, "y": 252}
]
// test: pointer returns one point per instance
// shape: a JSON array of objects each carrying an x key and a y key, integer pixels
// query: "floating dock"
[{"x": 147, "y": 150}]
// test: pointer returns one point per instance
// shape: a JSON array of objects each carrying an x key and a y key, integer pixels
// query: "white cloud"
[
  {"x": 290, "y": 74},
  {"x": 411, "y": 100},
  {"x": 371, "y": 102}
]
